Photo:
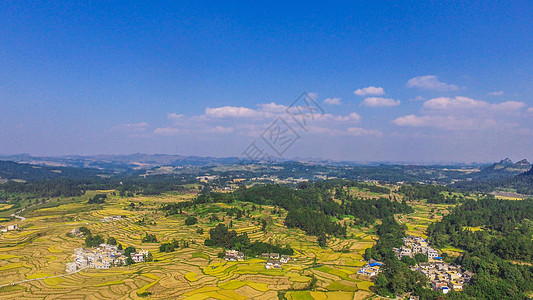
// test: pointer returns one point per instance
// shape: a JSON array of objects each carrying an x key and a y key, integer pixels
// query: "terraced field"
[{"x": 42, "y": 248}]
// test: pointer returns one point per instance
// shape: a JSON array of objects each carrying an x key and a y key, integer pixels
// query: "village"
[
  {"x": 443, "y": 276},
  {"x": 102, "y": 257},
  {"x": 273, "y": 260}
]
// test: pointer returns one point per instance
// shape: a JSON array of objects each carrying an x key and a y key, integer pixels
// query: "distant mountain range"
[
  {"x": 120, "y": 163},
  {"x": 32, "y": 168},
  {"x": 29, "y": 172},
  {"x": 504, "y": 169}
]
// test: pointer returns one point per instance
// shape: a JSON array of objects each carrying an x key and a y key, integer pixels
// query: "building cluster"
[
  {"x": 102, "y": 257},
  {"x": 444, "y": 277},
  {"x": 111, "y": 218},
  {"x": 275, "y": 261},
  {"x": 371, "y": 269},
  {"x": 9, "y": 228},
  {"x": 413, "y": 245},
  {"x": 76, "y": 232},
  {"x": 234, "y": 255}
]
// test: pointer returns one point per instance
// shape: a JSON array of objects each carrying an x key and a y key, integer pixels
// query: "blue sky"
[{"x": 420, "y": 82}]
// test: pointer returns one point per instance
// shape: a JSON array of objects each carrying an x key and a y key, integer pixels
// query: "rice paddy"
[{"x": 41, "y": 248}]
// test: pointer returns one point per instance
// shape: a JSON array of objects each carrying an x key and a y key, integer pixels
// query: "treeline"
[
  {"x": 44, "y": 189},
  {"x": 128, "y": 186},
  {"x": 312, "y": 206},
  {"x": 395, "y": 278},
  {"x": 506, "y": 228},
  {"x": 220, "y": 236},
  {"x": 491, "y": 253},
  {"x": 436, "y": 194},
  {"x": 522, "y": 183}
]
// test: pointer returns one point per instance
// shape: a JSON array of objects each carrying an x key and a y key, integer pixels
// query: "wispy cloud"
[
  {"x": 463, "y": 113},
  {"x": 378, "y": 101},
  {"x": 333, "y": 101},
  {"x": 371, "y": 90},
  {"x": 460, "y": 103},
  {"x": 131, "y": 127},
  {"x": 246, "y": 121},
  {"x": 232, "y": 112},
  {"x": 496, "y": 93},
  {"x": 430, "y": 82}
]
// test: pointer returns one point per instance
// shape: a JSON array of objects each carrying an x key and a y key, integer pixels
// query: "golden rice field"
[{"x": 41, "y": 248}]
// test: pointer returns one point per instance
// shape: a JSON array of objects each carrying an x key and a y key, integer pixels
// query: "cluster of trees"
[
  {"x": 97, "y": 199},
  {"x": 220, "y": 236},
  {"x": 176, "y": 208},
  {"x": 73, "y": 182},
  {"x": 491, "y": 253},
  {"x": 366, "y": 211},
  {"x": 522, "y": 183},
  {"x": 143, "y": 221},
  {"x": 311, "y": 206},
  {"x": 191, "y": 221},
  {"x": 506, "y": 226},
  {"x": 436, "y": 194},
  {"x": 47, "y": 189},
  {"x": 172, "y": 246},
  {"x": 396, "y": 277},
  {"x": 313, "y": 222},
  {"x": 149, "y": 238},
  {"x": 93, "y": 241}
]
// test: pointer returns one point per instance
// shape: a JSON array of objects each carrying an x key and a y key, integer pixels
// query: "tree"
[
  {"x": 111, "y": 241},
  {"x": 191, "y": 221},
  {"x": 419, "y": 257},
  {"x": 322, "y": 240}
]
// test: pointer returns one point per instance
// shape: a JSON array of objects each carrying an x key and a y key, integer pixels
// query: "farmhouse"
[
  {"x": 270, "y": 255},
  {"x": 139, "y": 256},
  {"x": 234, "y": 255},
  {"x": 76, "y": 232},
  {"x": 273, "y": 264},
  {"x": 10, "y": 228},
  {"x": 371, "y": 269},
  {"x": 111, "y": 218},
  {"x": 71, "y": 267}
]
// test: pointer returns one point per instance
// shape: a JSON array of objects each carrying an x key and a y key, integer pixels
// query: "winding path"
[{"x": 33, "y": 279}]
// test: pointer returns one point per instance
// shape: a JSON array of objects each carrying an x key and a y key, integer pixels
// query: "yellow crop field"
[
  {"x": 191, "y": 276},
  {"x": 43, "y": 246}
]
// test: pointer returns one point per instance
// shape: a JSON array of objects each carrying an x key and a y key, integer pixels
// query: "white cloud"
[
  {"x": 446, "y": 122},
  {"x": 509, "y": 105},
  {"x": 132, "y": 127},
  {"x": 168, "y": 131},
  {"x": 174, "y": 116},
  {"x": 350, "y": 131},
  {"x": 356, "y": 131},
  {"x": 232, "y": 112},
  {"x": 371, "y": 90},
  {"x": 272, "y": 107},
  {"x": 418, "y": 98},
  {"x": 352, "y": 117},
  {"x": 333, "y": 101},
  {"x": 430, "y": 82},
  {"x": 378, "y": 101},
  {"x": 496, "y": 93},
  {"x": 530, "y": 110},
  {"x": 243, "y": 121},
  {"x": 463, "y": 113},
  {"x": 460, "y": 103},
  {"x": 221, "y": 129}
]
